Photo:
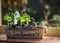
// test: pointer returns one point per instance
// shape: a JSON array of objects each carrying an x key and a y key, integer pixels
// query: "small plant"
[
  {"x": 21, "y": 19},
  {"x": 24, "y": 18},
  {"x": 9, "y": 19},
  {"x": 42, "y": 23}
]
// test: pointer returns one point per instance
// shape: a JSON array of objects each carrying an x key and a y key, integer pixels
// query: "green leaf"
[{"x": 7, "y": 18}]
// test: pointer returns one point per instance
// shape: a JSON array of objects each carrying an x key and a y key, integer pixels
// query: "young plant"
[
  {"x": 24, "y": 18},
  {"x": 8, "y": 19},
  {"x": 21, "y": 19}
]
